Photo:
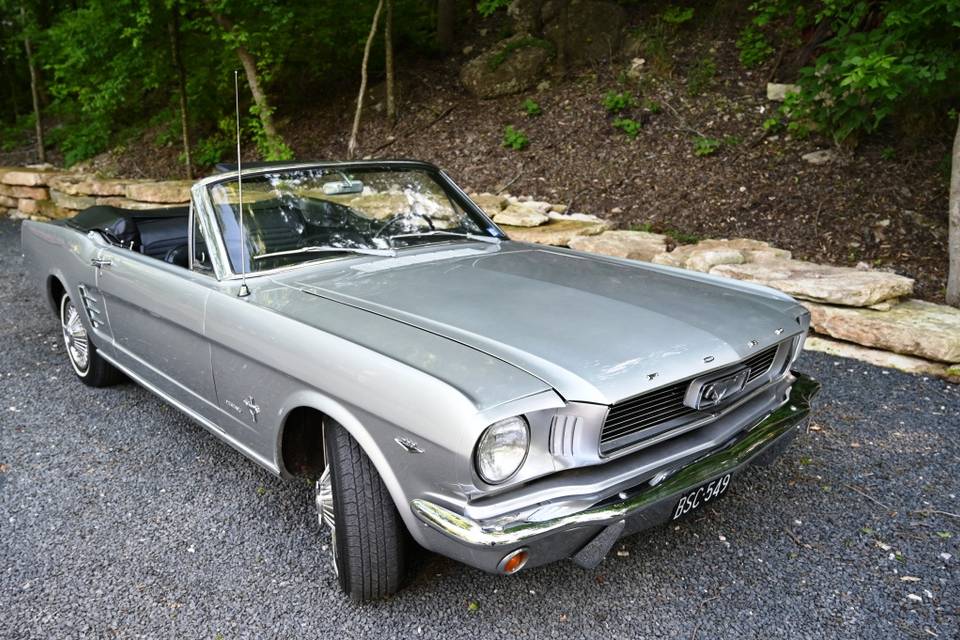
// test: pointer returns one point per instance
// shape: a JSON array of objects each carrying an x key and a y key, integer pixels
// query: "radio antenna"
[{"x": 244, "y": 290}]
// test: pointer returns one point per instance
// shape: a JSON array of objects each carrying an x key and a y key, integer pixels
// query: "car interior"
[
  {"x": 272, "y": 225},
  {"x": 158, "y": 233}
]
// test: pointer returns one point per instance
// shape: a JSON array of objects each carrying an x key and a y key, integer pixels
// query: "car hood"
[{"x": 595, "y": 329}]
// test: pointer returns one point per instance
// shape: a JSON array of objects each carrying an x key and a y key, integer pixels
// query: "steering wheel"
[{"x": 403, "y": 215}]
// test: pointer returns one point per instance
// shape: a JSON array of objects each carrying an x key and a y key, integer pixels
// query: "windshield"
[{"x": 296, "y": 215}]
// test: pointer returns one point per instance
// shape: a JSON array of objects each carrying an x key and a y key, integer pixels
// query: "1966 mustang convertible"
[{"x": 366, "y": 325}]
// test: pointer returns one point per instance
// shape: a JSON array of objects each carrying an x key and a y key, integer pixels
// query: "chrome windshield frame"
[{"x": 204, "y": 206}]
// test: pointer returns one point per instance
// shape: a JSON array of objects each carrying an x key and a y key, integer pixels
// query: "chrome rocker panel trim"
[{"x": 779, "y": 425}]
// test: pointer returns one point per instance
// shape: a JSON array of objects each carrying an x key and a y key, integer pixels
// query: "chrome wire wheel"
[
  {"x": 325, "y": 513},
  {"x": 75, "y": 337}
]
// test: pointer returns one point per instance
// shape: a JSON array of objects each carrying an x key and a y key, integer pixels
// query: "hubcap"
[
  {"x": 325, "y": 513},
  {"x": 75, "y": 337}
]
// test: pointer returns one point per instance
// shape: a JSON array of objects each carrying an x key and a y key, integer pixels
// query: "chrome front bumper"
[{"x": 646, "y": 508}]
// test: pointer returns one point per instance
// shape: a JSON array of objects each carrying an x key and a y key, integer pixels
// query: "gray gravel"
[{"x": 118, "y": 517}]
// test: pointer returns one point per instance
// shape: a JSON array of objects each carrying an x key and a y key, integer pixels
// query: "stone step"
[
  {"x": 880, "y": 358},
  {"x": 913, "y": 327},
  {"x": 820, "y": 282}
]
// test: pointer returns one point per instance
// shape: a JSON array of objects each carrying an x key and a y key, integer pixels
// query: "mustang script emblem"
[{"x": 708, "y": 393}]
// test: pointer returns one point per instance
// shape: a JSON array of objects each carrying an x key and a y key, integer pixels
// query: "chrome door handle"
[{"x": 100, "y": 262}]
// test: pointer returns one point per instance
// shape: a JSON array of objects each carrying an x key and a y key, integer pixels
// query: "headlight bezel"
[{"x": 478, "y": 449}]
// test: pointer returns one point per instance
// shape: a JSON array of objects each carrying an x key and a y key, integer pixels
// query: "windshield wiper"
[
  {"x": 439, "y": 232},
  {"x": 359, "y": 250}
]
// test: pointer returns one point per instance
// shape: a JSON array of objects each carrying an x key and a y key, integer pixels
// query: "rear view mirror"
[{"x": 342, "y": 187}]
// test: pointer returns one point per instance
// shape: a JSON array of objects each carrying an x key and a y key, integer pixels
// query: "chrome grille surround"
[{"x": 655, "y": 414}]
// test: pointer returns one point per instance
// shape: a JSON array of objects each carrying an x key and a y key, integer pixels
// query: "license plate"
[{"x": 693, "y": 500}]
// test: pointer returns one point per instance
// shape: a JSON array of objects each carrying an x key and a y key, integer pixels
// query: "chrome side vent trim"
[
  {"x": 563, "y": 430},
  {"x": 92, "y": 306}
]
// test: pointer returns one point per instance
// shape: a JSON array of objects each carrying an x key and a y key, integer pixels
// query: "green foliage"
[
  {"x": 701, "y": 75},
  {"x": 876, "y": 64},
  {"x": 652, "y": 106},
  {"x": 628, "y": 126},
  {"x": 615, "y": 102},
  {"x": 531, "y": 108},
  {"x": 16, "y": 134},
  {"x": 521, "y": 43},
  {"x": 754, "y": 47},
  {"x": 772, "y": 125},
  {"x": 515, "y": 139},
  {"x": 215, "y": 148},
  {"x": 107, "y": 68},
  {"x": 487, "y": 8},
  {"x": 675, "y": 15},
  {"x": 704, "y": 146}
]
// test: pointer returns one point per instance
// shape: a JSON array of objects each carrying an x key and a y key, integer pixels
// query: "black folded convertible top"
[{"x": 123, "y": 226}]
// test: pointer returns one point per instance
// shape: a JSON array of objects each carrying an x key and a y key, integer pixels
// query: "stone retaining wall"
[
  {"x": 44, "y": 193},
  {"x": 859, "y": 312}
]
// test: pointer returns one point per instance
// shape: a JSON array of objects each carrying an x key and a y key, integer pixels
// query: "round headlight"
[{"x": 502, "y": 449}]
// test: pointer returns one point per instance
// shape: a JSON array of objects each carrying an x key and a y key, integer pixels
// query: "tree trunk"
[
  {"x": 563, "y": 49},
  {"x": 388, "y": 63},
  {"x": 352, "y": 144},
  {"x": 264, "y": 112},
  {"x": 181, "y": 88},
  {"x": 34, "y": 89},
  {"x": 953, "y": 279},
  {"x": 446, "y": 23}
]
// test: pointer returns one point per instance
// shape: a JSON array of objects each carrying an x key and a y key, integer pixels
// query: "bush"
[
  {"x": 628, "y": 126},
  {"x": 615, "y": 102},
  {"x": 515, "y": 139},
  {"x": 704, "y": 146},
  {"x": 531, "y": 108},
  {"x": 677, "y": 15},
  {"x": 754, "y": 47},
  {"x": 880, "y": 60}
]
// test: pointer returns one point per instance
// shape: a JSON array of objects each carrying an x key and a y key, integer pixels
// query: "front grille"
[
  {"x": 760, "y": 363},
  {"x": 650, "y": 414}
]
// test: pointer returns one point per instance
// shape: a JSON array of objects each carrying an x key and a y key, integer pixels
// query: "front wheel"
[
  {"x": 92, "y": 369},
  {"x": 368, "y": 539}
]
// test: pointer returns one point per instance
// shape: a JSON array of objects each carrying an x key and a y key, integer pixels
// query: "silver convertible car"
[{"x": 366, "y": 325}]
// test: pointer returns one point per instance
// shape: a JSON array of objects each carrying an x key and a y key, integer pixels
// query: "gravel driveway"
[{"x": 119, "y": 517}]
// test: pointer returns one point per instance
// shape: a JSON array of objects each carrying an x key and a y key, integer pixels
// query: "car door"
[{"x": 156, "y": 314}]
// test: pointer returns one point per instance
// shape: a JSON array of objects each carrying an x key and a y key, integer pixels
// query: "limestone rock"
[
  {"x": 27, "y": 205},
  {"x": 82, "y": 185},
  {"x": 491, "y": 204},
  {"x": 68, "y": 201},
  {"x": 34, "y": 193},
  {"x": 558, "y": 233},
  {"x": 635, "y": 245},
  {"x": 636, "y": 68},
  {"x": 519, "y": 215},
  {"x": 777, "y": 92},
  {"x": 126, "y": 203},
  {"x": 170, "y": 191},
  {"x": 822, "y": 283},
  {"x": 26, "y": 177},
  {"x": 511, "y": 66},
  {"x": 880, "y": 358},
  {"x": 8, "y": 202},
  {"x": 912, "y": 327},
  {"x": 709, "y": 258},
  {"x": 823, "y": 156},
  {"x": 709, "y": 253}
]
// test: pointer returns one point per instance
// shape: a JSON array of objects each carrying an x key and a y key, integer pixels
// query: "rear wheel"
[
  {"x": 92, "y": 370},
  {"x": 369, "y": 542}
]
